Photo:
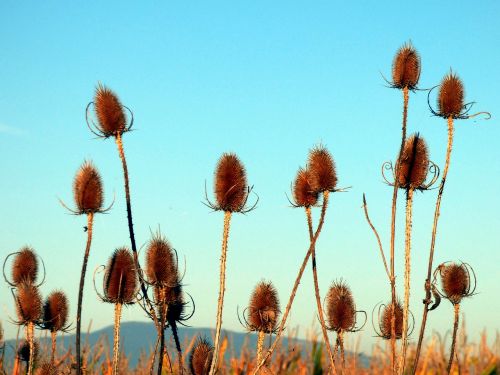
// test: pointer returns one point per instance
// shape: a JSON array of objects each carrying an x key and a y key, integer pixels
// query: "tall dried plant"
[{"x": 55, "y": 317}]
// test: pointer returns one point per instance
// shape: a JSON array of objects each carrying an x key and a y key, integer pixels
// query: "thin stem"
[
  {"x": 161, "y": 335},
  {"x": 260, "y": 345},
  {"x": 406, "y": 307},
  {"x": 427, "y": 300},
  {"x": 90, "y": 223},
  {"x": 173, "y": 327},
  {"x": 222, "y": 288},
  {"x": 153, "y": 357},
  {"x": 53, "y": 336},
  {"x": 341, "y": 344},
  {"x": 116, "y": 344},
  {"x": 315, "y": 277},
  {"x": 30, "y": 333},
  {"x": 454, "y": 339},
  {"x": 292, "y": 297}
]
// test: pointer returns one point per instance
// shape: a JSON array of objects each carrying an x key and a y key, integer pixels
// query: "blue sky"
[{"x": 267, "y": 81}]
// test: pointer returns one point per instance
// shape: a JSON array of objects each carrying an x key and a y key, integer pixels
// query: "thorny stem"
[
  {"x": 222, "y": 287},
  {"x": 161, "y": 336},
  {"x": 90, "y": 222},
  {"x": 427, "y": 300},
  {"x": 116, "y": 344},
  {"x": 340, "y": 337},
  {"x": 173, "y": 327},
  {"x": 153, "y": 357},
  {"x": 260, "y": 345},
  {"x": 404, "y": 338},
  {"x": 30, "y": 333},
  {"x": 53, "y": 336},
  {"x": 292, "y": 297},
  {"x": 454, "y": 339},
  {"x": 315, "y": 276}
]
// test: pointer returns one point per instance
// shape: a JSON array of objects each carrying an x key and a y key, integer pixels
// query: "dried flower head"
[
  {"x": 110, "y": 112},
  {"x": 340, "y": 308},
  {"x": 264, "y": 308},
  {"x": 386, "y": 318},
  {"x": 413, "y": 164},
  {"x": 25, "y": 266},
  {"x": 303, "y": 194},
  {"x": 406, "y": 68},
  {"x": 200, "y": 358},
  {"x": 456, "y": 283},
  {"x": 46, "y": 369},
  {"x": 451, "y": 96},
  {"x": 87, "y": 189},
  {"x": 28, "y": 303},
  {"x": 120, "y": 279},
  {"x": 322, "y": 170},
  {"x": 55, "y": 311},
  {"x": 161, "y": 263},
  {"x": 23, "y": 351},
  {"x": 231, "y": 189}
]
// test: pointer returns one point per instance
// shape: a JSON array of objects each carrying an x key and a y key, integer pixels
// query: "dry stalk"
[
  {"x": 454, "y": 339},
  {"x": 260, "y": 345},
  {"x": 116, "y": 343},
  {"x": 30, "y": 336},
  {"x": 53, "y": 337}
]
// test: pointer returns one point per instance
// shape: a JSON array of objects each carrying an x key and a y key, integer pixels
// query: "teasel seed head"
[
  {"x": 200, "y": 358},
  {"x": 413, "y": 164},
  {"x": 161, "y": 263},
  {"x": 386, "y": 318},
  {"x": 25, "y": 266},
  {"x": 120, "y": 279},
  {"x": 451, "y": 96},
  {"x": 55, "y": 311},
  {"x": 111, "y": 119},
  {"x": 340, "y": 308},
  {"x": 321, "y": 167},
  {"x": 231, "y": 189},
  {"x": 23, "y": 351},
  {"x": 173, "y": 297},
  {"x": 303, "y": 194},
  {"x": 406, "y": 68},
  {"x": 263, "y": 308},
  {"x": 28, "y": 303},
  {"x": 46, "y": 369},
  {"x": 455, "y": 281},
  {"x": 87, "y": 189}
]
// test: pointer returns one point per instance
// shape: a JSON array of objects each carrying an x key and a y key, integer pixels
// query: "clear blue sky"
[{"x": 267, "y": 81}]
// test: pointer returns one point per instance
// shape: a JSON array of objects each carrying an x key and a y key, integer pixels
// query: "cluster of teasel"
[{"x": 410, "y": 173}]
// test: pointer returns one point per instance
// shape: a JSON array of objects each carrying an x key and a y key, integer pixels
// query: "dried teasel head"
[
  {"x": 451, "y": 96},
  {"x": 200, "y": 358},
  {"x": 87, "y": 189},
  {"x": 23, "y": 351},
  {"x": 340, "y": 308},
  {"x": 25, "y": 266},
  {"x": 161, "y": 262},
  {"x": 321, "y": 167},
  {"x": 55, "y": 311},
  {"x": 263, "y": 308},
  {"x": 386, "y": 318},
  {"x": 28, "y": 303},
  {"x": 230, "y": 185},
  {"x": 413, "y": 164},
  {"x": 46, "y": 369},
  {"x": 406, "y": 68},
  {"x": 111, "y": 119},
  {"x": 173, "y": 299},
  {"x": 456, "y": 282},
  {"x": 120, "y": 279},
  {"x": 303, "y": 193}
]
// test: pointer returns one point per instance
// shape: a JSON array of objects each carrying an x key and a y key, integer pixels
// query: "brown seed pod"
[
  {"x": 303, "y": 194},
  {"x": 28, "y": 303},
  {"x": 55, "y": 311},
  {"x": 322, "y": 170},
  {"x": 161, "y": 263},
  {"x": 451, "y": 96},
  {"x": 264, "y": 308},
  {"x": 385, "y": 321},
  {"x": 413, "y": 164},
  {"x": 120, "y": 279},
  {"x": 406, "y": 68},
  {"x": 340, "y": 308},
  {"x": 230, "y": 186},
  {"x": 87, "y": 189},
  {"x": 23, "y": 352},
  {"x": 109, "y": 111},
  {"x": 25, "y": 266},
  {"x": 456, "y": 282},
  {"x": 200, "y": 358},
  {"x": 46, "y": 369}
]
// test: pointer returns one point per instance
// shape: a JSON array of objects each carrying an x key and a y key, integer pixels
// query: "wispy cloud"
[{"x": 10, "y": 130}]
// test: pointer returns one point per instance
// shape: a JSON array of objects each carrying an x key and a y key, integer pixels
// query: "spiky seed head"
[
  {"x": 456, "y": 282},
  {"x": 28, "y": 303},
  {"x": 406, "y": 67},
  {"x": 386, "y": 318},
  {"x": 340, "y": 307},
  {"x": 55, "y": 311},
  {"x": 120, "y": 279},
  {"x": 230, "y": 185},
  {"x": 200, "y": 358},
  {"x": 23, "y": 351},
  {"x": 87, "y": 189},
  {"x": 451, "y": 96},
  {"x": 303, "y": 194},
  {"x": 46, "y": 369},
  {"x": 413, "y": 164},
  {"x": 321, "y": 166},
  {"x": 173, "y": 298},
  {"x": 161, "y": 265},
  {"x": 25, "y": 266},
  {"x": 264, "y": 308},
  {"x": 109, "y": 111}
]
